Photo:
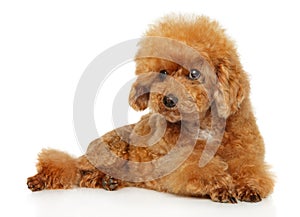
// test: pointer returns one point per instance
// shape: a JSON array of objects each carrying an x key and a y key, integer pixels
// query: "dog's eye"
[
  {"x": 163, "y": 74},
  {"x": 194, "y": 74}
]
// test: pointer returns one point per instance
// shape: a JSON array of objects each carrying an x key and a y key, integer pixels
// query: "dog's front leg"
[
  {"x": 189, "y": 179},
  {"x": 251, "y": 178}
]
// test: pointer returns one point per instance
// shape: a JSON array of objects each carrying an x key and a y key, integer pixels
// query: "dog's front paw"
[
  {"x": 248, "y": 194},
  {"x": 109, "y": 183},
  {"x": 36, "y": 183},
  {"x": 222, "y": 195}
]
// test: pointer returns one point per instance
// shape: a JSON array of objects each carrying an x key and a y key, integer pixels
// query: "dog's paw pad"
[
  {"x": 222, "y": 195},
  {"x": 109, "y": 183},
  {"x": 35, "y": 183},
  {"x": 249, "y": 195}
]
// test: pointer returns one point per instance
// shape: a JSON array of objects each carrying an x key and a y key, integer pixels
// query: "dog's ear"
[
  {"x": 232, "y": 86},
  {"x": 140, "y": 91}
]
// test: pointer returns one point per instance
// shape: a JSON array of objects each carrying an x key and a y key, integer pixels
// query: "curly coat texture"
[{"x": 236, "y": 171}]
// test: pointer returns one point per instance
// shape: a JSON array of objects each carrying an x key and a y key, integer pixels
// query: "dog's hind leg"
[
  {"x": 56, "y": 170},
  {"x": 59, "y": 170}
]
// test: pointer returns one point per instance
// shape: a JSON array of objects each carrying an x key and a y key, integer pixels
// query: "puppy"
[{"x": 200, "y": 137}]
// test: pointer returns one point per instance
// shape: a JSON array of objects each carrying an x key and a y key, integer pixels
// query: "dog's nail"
[
  {"x": 113, "y": 186},
  {"x": 242, "y": 196},
  {"x": 253, "y": 198},
  {"x": 220, "y": 198},
  {"x": 259, "y": 197},
  {"x": 109, "y": 183},
  {"x": 232, "y": 200}
]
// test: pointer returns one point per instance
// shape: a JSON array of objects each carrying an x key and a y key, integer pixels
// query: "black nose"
[{"x": 170, "y": 101}]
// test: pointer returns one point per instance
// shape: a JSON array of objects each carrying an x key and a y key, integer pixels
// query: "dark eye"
[
  {"x": 194, "y": 74},
  {"x": 163, "y": 74}
]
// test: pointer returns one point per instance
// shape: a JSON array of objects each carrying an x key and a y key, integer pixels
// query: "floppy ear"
[
  {"x": 230, "y": 91},
  {"x": 140, "y": 91}
]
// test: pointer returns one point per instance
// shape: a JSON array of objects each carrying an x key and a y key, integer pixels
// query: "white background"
[{"x": 44, "y": 49}]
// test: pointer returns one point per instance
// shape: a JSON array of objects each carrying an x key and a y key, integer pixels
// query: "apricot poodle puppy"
[{"x": 200, "y": 137}]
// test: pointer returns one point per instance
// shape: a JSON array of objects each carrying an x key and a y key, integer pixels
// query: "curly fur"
[{"x": 237, "y": 170}]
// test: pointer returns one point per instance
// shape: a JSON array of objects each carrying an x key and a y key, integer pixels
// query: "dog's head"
[{"x": 188, "y": 65}]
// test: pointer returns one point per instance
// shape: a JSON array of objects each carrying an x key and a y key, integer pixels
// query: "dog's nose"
[{"x": 170, "y": 101}]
